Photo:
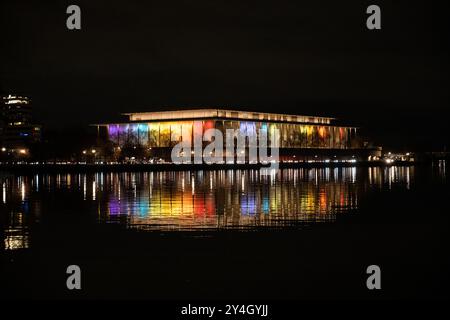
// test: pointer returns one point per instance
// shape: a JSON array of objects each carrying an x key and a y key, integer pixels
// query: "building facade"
[
  {"x": 301, "y": 137},
  {"x": 17, "y": 130}
]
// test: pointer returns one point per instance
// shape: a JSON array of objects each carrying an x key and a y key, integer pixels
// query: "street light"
[
  {"x": 84, "y": 151},
  {"x": 93, "y": 151},
  {"x": 3, "y": 149}
]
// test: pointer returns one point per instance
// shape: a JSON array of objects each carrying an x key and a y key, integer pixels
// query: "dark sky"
[{"x": 305, "y": 57}]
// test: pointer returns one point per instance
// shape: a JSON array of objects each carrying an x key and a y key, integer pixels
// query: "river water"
[{"x": 198, "y": 200}]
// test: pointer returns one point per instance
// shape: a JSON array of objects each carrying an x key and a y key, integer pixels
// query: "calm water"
[{"x": 197, "y": 200}]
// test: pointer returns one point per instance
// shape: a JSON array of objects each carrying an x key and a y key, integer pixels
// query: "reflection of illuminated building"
[
  {"x": 195, "y": 199},
  {"x": 16, "y": 239},
  {"x": 15, "y": 209},
  {"x": 165, "y": 200},
  {"x": 16, "y": 235},
  {"x": 301, "y": 137}
]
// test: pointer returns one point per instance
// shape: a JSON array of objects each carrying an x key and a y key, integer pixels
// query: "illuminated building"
[
  {"x": 301, "y": 137},
  {"x": 17, "y": 129}
]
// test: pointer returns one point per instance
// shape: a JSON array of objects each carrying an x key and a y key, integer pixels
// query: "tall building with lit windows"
[
  {"x": 17, "y": 130},
  {"x": 302, "y": 138}
]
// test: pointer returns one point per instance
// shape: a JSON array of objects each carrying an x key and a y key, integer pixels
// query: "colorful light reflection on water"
[{"x": 193, "y": 200}]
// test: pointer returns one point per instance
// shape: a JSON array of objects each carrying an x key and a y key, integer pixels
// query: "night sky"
[{"x": 303, "y": 57}]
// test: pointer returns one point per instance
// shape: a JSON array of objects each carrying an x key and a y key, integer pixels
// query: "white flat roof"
[{"x": 224, "y": 113}]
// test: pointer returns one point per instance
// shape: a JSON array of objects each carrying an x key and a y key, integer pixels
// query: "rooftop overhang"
[
  {"x": 146, "y": 122},
  {"x": 225, "y": 114}
]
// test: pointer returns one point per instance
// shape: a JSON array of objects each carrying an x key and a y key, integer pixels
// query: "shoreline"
[{"x": 89, "y": 168}]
